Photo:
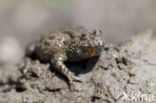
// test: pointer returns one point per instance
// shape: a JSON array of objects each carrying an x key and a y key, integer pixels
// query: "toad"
[{"x": 71, "y": 44}]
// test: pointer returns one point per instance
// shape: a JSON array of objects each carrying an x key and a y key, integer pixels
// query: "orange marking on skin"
[
  {"x": 93, "y": 52},
  {"x": 90, "y": 49}
]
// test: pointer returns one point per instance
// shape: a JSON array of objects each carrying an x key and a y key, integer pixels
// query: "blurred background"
[{"x": 21, "y": 21}]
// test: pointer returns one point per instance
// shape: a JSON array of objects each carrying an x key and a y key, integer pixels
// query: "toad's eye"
[
  {"x": 84, "y": 36},
  {"x": 100, "y": 31},
  {"x": 97, "y": 32}
]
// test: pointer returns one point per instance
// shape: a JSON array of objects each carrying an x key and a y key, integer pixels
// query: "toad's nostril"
[{"x": 84, "y": 36}]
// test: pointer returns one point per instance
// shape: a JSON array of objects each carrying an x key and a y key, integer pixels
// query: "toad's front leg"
[{"x": 59, "y": 65}]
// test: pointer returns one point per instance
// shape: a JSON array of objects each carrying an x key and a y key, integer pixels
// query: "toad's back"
[{"x": 52, "y": 43}]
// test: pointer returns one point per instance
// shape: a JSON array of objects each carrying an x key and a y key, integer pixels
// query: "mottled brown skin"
[{"x": 68, "y": 44}]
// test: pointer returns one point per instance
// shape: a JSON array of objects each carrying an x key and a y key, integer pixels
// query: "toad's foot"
[
  {"x": 57, "y": 62},
  {"x": 72, "y": 82},
  {"x": 74, "y": 87},
  {"x": 73, "y": 78}
]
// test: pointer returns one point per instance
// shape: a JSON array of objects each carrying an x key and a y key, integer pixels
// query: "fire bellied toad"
[{"x": 67, "y": 44}]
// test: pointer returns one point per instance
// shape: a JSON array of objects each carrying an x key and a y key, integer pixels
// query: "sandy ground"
[{"x": 124, "y": 73}]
